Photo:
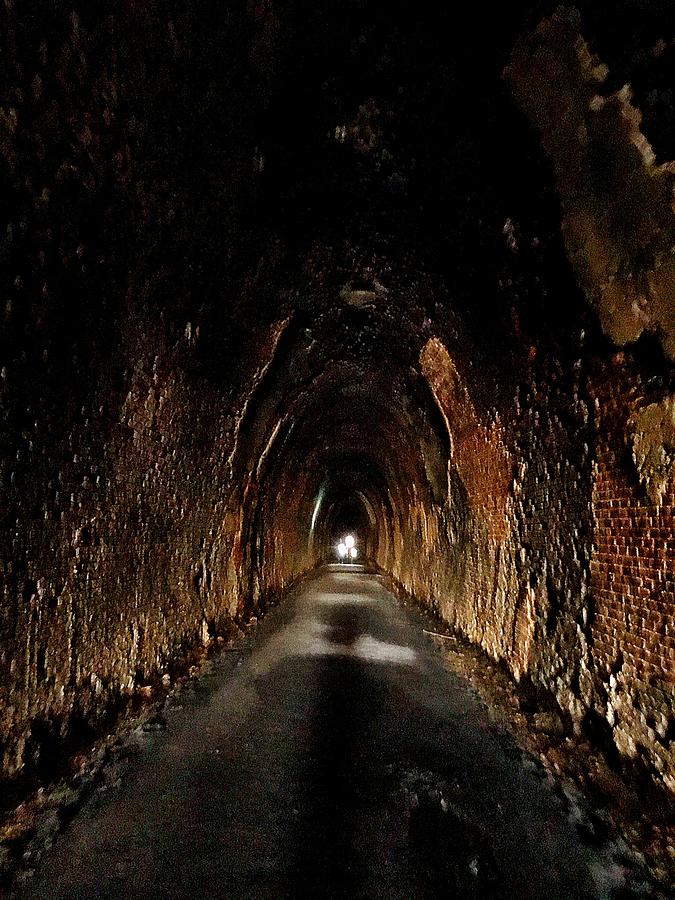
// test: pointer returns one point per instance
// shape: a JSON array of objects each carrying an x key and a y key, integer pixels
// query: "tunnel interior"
[
  {"x": 274, "y": 273},
  {"x": 351, "y": 514}
]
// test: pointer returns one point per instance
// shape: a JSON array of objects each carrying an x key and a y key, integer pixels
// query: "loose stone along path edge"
[
  {"x": 625, "y": 803},
  {"x": 28, "y": 831}
]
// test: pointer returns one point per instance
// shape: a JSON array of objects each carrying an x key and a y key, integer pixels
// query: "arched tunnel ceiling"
[
  {"x": 405, "y": 202},
  {"x": 408, "y": 199},
  {"x": 367, "y": 156},
  {"x": 357, "y": 429},
  {"x": 377, "y": 178},
  {"x": 383, "y": 178}
]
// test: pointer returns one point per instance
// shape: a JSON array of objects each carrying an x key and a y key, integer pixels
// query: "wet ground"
[{"x": 331, "y": 754}]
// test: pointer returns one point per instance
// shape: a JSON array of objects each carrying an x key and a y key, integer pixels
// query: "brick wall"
[{"x": 633, "y": 577}]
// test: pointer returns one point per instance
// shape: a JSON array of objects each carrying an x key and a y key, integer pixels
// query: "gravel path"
[{"x": 330, "y": 755}]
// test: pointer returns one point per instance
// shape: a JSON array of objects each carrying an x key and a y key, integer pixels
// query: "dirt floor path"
[{"x": 331, "y": 754}]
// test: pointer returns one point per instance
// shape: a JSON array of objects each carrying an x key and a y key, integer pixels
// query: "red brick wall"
[
  {"x": 632, "y": 579},
  {"x": 633, "y": 563}
]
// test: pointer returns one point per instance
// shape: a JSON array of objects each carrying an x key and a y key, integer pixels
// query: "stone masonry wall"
[
  {"x": 572, "y": 586},
  {"x": 125, "y": 547},
  {"x": 121, "y": 562},
  {"x": 123, "y": 370}
]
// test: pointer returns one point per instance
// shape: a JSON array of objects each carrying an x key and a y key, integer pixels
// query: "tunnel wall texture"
[
  {"x": 131, "y": 554},
  {"x": 565, "y": 567},
  {"x": 563, "y": 564},
  {"x": 177, "y": 379},
  {"x": 123, "y": 529}
]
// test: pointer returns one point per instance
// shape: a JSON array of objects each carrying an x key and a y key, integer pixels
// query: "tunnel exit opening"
[{"x": 350, "y": 529}]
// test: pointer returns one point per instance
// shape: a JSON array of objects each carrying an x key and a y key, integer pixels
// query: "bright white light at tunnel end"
[
  {"x": 353, "y": 552},
  {"x": 350, "y": 541},
  {"x": 342, "y": 550}
]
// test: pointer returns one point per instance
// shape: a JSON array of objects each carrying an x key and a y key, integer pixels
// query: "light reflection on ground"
[
  {"x": 345, "y": 599},
  {"x": 331, "y": 623},
  {"x": 309, "y": 637}
]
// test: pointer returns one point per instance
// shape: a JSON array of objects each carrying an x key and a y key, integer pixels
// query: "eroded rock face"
[
  {"x": 653, "y": 441},
  {"x": 619, "y": 222},
  {"x": 266, "y": 282}
]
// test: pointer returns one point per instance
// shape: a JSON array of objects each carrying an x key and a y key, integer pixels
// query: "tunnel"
[{"x": 278, "y": 273}]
